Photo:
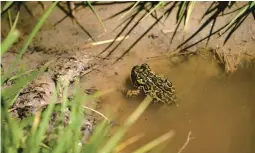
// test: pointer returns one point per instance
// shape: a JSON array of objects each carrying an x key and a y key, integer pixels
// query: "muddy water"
[{"x": 218, "y": 109}]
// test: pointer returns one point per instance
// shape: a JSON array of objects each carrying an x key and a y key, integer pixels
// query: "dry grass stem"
[
  {"x": 104, "y": 42},
  {"x": 170, "y": 30},
  {"x": 93, "y": 110}
]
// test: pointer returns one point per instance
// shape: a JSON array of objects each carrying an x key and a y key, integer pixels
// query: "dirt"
[{"x": 217, "y": 108}]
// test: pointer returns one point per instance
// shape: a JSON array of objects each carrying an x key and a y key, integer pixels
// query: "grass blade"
[
  {"x": 15, "y": 22},
  {"x": 11, "y": 38},
  {"x": 181, "y": 11},
  {"x": 241, "y": 12},
  {"x": 11, "y": 131},
  {"x": 6, "y": 6},
  {"x": 155, "y": 142},
  {"x": 154, "y": 8},
  {"x": 39, "y": 134},
  {"x": 129, "y": 10},
  {"x": 189, "y": 10},
  {"x": 98, "y": 138},
  {"x": 31, "y": 36},
  {"x": 120, "y": 133},
  {"x": 128, "y": 142},
  {"x": 19, "y": 75},
  {"x": 9, "y": 17},
  {"x": 76, "y": 118},
  {"x": 98, "y": 17},
  {"x": 11, "y": 93}
]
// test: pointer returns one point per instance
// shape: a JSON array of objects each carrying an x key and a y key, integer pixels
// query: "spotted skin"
[{"x": 147, "y": 82}]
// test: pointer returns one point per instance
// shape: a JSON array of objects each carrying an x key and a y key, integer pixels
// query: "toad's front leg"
[{"x": 132, "y": 93}]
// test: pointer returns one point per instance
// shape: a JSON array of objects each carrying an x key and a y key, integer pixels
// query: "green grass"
[
  {"x": 11, "y": 38},
  {"x": 31, "y": 36},
  {"x": 184, "y": 13},
  {"x": 16, "y": 137},
  {"x": 159, "y": 5}
]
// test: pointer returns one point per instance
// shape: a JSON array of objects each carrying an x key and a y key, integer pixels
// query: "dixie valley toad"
[{"x": 146, "y": 82}]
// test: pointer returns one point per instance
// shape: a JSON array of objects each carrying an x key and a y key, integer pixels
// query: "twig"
[{"x": 186, "y": 143}]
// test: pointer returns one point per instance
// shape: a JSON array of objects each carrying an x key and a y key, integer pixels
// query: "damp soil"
[{"x": 217, "y": 108}]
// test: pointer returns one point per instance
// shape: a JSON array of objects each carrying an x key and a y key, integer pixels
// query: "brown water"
[{"x": 218, "y": 109}]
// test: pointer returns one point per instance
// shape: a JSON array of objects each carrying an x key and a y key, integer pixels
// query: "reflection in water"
[{"x": 219, "y": 110}]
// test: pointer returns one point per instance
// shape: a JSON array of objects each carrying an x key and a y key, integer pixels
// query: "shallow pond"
[{"x": 218, "y": 109}]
